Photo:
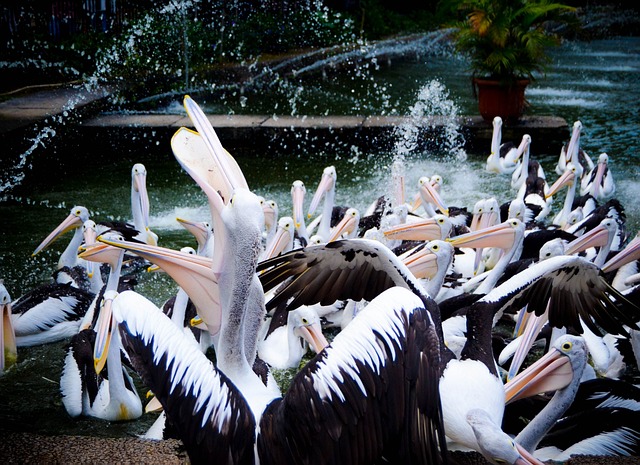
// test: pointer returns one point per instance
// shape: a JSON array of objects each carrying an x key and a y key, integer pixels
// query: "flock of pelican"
[{"x": 433, "y": 311}]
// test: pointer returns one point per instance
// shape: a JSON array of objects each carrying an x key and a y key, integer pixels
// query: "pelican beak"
[
  {"x": 597, "y": 237},
  {"x": 153, "y": 405},
  {"x": 192, "y": 272},
  {"x": 227, "y": 170},
  {"x": 422, "y": 263},
  {"x": 501, "y": 236},
  {"x": 630, "y": 253},
  {"x": 104, "y": 331},
  {"x": 568, "y": 177},
  {"x": 278, "y": 243},
  {"x": 347, "y": 225},
  {"x": 525, "y": 457},
  {"x": 326, "y": 183},
  {"x": 424, "y": 230},
  {"x": 9, "y": 354},
  {"x": 197, "y": 229},
  {"x": 597, "y": 182},
  {"x": 100, "y": 253},
  {"x": 70, "y": 222},
  {"x": 430, "y": 195},
  {"x": 312, "y": 333},
  {"x": 551, "y": 372},
  {"x": 531, "y": 330},
  {"x": 417, "y": 201}
]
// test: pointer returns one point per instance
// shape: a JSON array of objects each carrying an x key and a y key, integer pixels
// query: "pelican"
[
  {"x": 49, "y": 313},
  {"x": 347, "y": 228},
  {"x": 140, "y": 204},
  {"x": 282, "y": 240},
  {"x": 521, "y": 172},
  {"x": 298, "y": 191},
  {"x": 570, "y": 178},
  {"x": 503, "y": 157},
  {"x": 606, "y": 428},
  {"x": 203, "y": 233},
  {"x": 270, "y": 210},
  {"x": 327, "y": 189},
  {"x": 572, "y": 153},
  {"x": 285, "y": 346},
  {"x": 9, "y": 354},
  {"x": 73, "y": 222},
  {"x": 599, "y": 181},
  {"x": 84, "y": 391}
]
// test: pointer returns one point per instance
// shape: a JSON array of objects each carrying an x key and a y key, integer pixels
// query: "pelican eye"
[
  {"x": 305, "y": 321},
  {"x": 435, "y": 247},
  {"x": 567, "y": 346},
  {"x": 441, "y": 220}
]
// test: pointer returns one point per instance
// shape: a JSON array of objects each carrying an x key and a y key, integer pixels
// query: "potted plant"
[{"x": 507, "y": 42}]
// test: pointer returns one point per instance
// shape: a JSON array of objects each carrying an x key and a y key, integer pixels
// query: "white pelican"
[
  {"x": 570, "y": 178},
  {"x": 572, "y": 153},
  {"x": 602, "y": 422},
  {"x": 8, "y": 346},
  {"x": 140, "y": 204},
  {"x": 327, "y": 189},
  {"x": 298, "y": 191},
  {"x": 49, "y": 313},
  {"x": 73, "y": 222},
  {"x": 599, "y": 181},
  {"x": 270, "y": 210},
  {"x": 84, "y": 391},
  {"x": 285, "y": 346},
  {"x": 282, "y": 240},
  {"x": 503, "y": 157},
  {"x": 203, "y": 233},
  {"x": 347, "y": 228}
]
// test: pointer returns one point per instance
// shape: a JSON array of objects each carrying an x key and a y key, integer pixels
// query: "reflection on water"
[{"x": 594, "y": 82}]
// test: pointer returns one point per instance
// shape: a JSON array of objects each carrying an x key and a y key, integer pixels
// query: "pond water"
[{"x": 595, "y": 82}]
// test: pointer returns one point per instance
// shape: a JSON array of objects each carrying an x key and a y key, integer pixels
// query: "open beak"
[
  {"x": 226, "y": 175},
  {"x": 192, "y": 272},
  {"x": 70, "y": 222},
  {"x": 551, "y": 372},
  {"x": 630, "y": 253}
]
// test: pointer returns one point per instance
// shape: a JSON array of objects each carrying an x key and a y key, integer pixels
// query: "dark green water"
[{"x": 595, "y": 82}]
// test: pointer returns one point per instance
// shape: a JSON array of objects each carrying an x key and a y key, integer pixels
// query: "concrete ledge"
[{"x": 239, "y": 131}]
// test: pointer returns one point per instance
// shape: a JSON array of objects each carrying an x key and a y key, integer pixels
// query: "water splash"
[{"x": 433, "y": 108}]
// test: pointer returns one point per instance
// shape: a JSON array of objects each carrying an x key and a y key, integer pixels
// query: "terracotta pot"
[{"x": 498, "y": 99}]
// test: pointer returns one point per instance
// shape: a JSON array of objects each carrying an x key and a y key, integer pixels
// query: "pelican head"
[{"x": 74, "y": 220}]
